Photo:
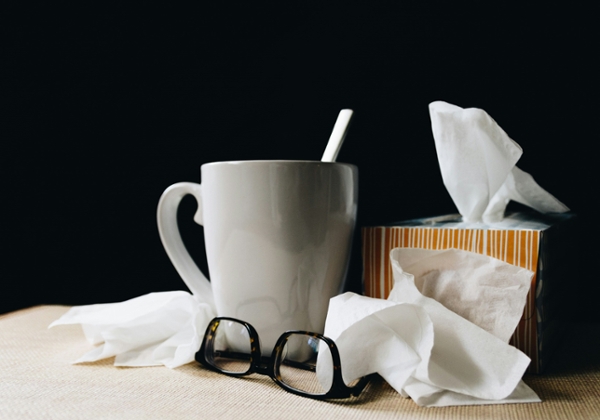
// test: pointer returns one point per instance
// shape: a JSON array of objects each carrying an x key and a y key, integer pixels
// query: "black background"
[{"x": 106, "y": 106}]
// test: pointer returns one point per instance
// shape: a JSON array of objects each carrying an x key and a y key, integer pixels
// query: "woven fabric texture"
[{"x": 38, "y": 381}]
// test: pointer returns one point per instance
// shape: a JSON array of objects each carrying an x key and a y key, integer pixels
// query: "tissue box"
[{"x": 544, "y": 244}]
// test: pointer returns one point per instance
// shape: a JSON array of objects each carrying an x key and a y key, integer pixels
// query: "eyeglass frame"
[{"x": 269, "y": 366}]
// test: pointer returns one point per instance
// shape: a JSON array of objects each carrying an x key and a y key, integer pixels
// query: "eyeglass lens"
[
  {"x": 298, "y": 364},
  {"x": 231, "y": 349}
]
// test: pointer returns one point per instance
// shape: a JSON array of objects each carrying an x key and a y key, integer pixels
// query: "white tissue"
[
  {"x": 425, "y": 350},
  {"x": 486, "y": 291},
  {"x": 477, "y": 161},
  {"x": 163, "y": 328}
]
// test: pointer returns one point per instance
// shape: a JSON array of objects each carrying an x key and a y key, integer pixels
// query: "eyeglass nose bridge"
[{"x": 264, "y": 367}]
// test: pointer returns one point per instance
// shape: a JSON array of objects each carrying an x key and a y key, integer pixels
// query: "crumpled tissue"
[
  {"x": 478, "y": 164},
  {"x": 418, "y": 342},
  {"x": 164, "y": 328}
]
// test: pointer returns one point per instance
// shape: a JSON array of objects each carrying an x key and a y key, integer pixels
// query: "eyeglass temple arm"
[{"x": 362, "y": 383}]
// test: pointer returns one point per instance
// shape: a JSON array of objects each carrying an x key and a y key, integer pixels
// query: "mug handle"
[{"x": 166, "y": 216}]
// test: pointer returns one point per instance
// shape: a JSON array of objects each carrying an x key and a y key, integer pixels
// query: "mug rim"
[{"x": 287, "y": 161}]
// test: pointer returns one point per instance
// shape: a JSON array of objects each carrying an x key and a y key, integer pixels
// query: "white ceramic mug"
[{"x": 278, "y": 236}]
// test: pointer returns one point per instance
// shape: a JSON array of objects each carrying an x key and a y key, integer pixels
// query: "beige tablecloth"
[{"x": 37, "y": 381}]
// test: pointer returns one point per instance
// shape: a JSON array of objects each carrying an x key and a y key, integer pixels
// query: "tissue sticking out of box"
[{"x": 478, "y": 164}]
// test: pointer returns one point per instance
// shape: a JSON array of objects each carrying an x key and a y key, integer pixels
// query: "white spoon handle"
[{"x": 337, "y": 136}]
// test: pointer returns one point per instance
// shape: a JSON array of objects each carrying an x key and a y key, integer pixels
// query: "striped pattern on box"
[{"x": 517, "y": 247}]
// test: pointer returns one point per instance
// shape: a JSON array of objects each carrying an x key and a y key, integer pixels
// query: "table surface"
[{"x": 39, "y": 381}]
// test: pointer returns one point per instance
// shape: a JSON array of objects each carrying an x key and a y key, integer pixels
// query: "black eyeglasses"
[{"x": 232, "y": 347}]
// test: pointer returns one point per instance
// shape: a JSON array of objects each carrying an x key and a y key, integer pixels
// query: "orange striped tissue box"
[{"x": 544, "y": 244}]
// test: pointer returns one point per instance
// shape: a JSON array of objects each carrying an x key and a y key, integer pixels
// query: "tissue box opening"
[{"x": 544, "y": 244}]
